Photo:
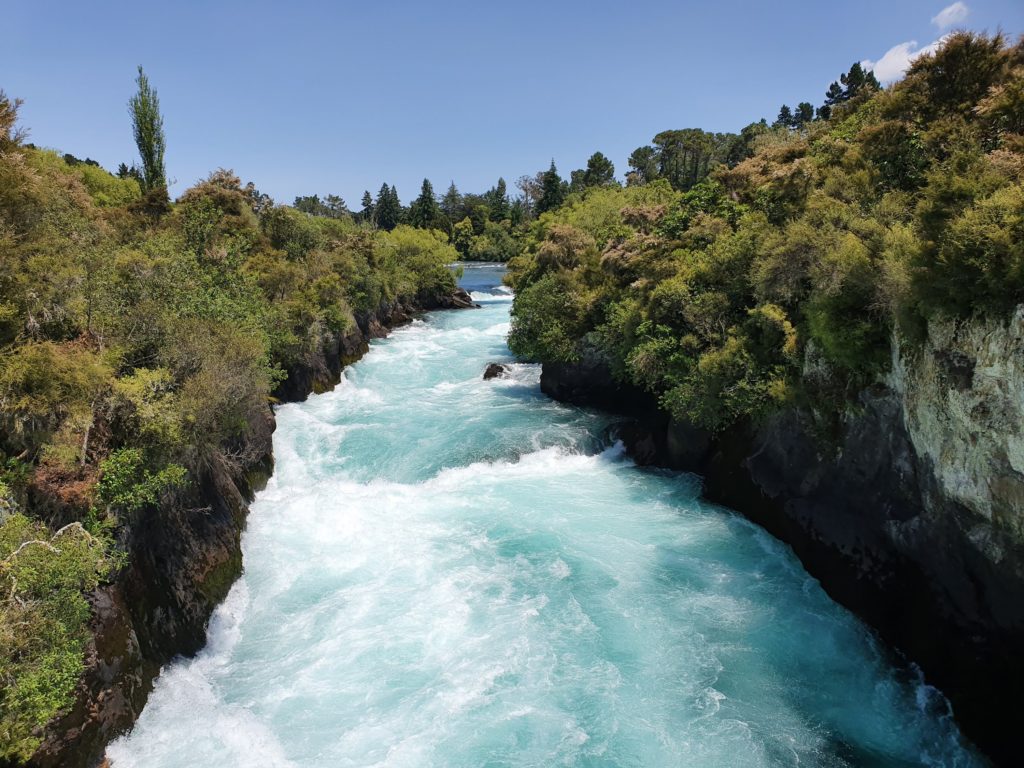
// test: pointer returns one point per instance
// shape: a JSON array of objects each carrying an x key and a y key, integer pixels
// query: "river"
[{"x": 447, "y": 571}]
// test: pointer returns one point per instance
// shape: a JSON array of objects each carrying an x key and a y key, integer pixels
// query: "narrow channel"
[{"x": 448, "y": 571}]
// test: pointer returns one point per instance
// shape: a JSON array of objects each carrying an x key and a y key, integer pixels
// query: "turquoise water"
[{"x": 446, "y": 571}]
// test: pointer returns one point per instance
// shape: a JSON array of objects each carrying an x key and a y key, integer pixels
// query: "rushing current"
[{"x": 447, "y": 571}]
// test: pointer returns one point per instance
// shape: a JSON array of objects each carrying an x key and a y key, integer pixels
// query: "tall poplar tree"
[{"x": 148, "y": 127}]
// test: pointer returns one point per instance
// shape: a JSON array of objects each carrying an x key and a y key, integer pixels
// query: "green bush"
[
  {"x": 979, "y": 262},
  {"x": 127, "y": 486},
  {"x": 905, "y": 203},
  {"x": 44, "y": 621}
]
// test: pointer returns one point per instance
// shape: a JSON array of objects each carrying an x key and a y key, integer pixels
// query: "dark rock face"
[
  {"x": 590, "y": 382},
  {"x": 459, "y": 299},
  {"x": 109, "y": 699},
  {"x": 184, "y": 558},
  {"x": 869, "y": 522},
  {"x": 864, "y": 513},
  {"x": 493, "y": 371}
]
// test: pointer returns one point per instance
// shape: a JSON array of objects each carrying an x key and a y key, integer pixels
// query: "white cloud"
[
  {"x": 896, "y": 60},
  {"x": 951, "y": 15}
]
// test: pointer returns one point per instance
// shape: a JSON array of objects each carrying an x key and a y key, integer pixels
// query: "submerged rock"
[{"x": 494, "y": 370}]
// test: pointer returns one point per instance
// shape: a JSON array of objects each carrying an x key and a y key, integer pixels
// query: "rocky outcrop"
[
  {"x": 458, "y": 299},
  {"x": 493, "y": 371},
  {"x": 963, "y": 398},
  {"x": 908, "y": 510},
  {"x": 109, "y": 698},
  {"x": 184, "y": 557},
  {"x": 589, "y": 382}
]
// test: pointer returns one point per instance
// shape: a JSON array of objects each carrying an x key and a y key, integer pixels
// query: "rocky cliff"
[
  {"x": 908, "y": 508},
  {"x": 183, "y": 559}
]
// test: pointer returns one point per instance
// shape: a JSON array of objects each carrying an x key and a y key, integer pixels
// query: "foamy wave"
[{"x": 486, "y": 296}]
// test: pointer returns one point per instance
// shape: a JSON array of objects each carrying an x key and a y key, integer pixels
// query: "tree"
[
  {"x": 309, "y": 204},
  {"x": 600, "y": 172},
  {"x": 858, "y": 80},
  {"x": 10, "y": 136},
  {"x": 124, "y": 172},
  {"x": 367, "y": 213},
  {"x": 497, "y": 201},
  {"x": 331, "y": 207},
  {"x": 462, "y": 237},
  {"x": 834, "y": 95},
  {"x": 576, "y": 181},
  {"x": 388, "y": 209},
  {"x": 424, "y": 213},
  {"x": 552, "y": 190},
  {"x": 687, "y": 156},
  {"x": 785, "y": 118},
  {"x": 517, "y": 213},
  {"x": 644, "y": 162},
  {"x": 804, "y": 114},
  {"x": 148, "y": 127},
  {"x": 336, "y": 208},
  {"x": 450, "y": 204},
  {"x": 530, "y": 187},
  {"x": 741, "y": 147}
]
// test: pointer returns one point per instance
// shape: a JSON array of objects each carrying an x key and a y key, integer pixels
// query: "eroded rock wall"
[{"x": 908, "y": 506}]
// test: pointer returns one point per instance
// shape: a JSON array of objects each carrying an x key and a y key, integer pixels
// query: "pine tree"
[
  {"x": 854, "y": 82},
  {"x": 834, "y": 95},
  {"x": 396, "y": 203},
  {"x": 387, "y": 210},
  {"x": 600, "y": 171},
  {"x": 785, "y": 118},
  {"x": 451, "y": 204},
  {"x": 310, "y": 204},
  {"x": 336, "y": 207},
  {"x": 367, "y": 213},
  {"x": 552, "y": 190},
  {"x": 148, "y": 127},
  {"x": 424, "y": 212},
  {"x": 804, "y": 114},
  {"x": 858, "y": 79},
  {"x": 497, "y": 201}
]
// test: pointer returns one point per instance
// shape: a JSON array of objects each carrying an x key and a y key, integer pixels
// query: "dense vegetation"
[
  {"x": 140, "y": 341},
  {"x": 482, "y": 227},
  {"x": 737, "y": 272}
]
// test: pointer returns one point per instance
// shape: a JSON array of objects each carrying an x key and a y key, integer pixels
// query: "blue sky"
[{"x": 321, "y": 97}]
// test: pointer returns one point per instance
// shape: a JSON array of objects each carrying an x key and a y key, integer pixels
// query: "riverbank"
[
  {"x": 866, "y": 513},
  {"x": 182, "y": 561}
]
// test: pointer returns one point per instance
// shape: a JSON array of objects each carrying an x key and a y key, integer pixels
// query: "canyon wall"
[{"x": 907, "y": 505}]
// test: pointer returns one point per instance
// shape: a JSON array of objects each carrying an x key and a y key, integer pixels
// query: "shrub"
[{"x": 43, "y": 624}]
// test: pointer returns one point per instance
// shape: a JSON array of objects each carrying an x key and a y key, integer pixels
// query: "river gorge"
[{"x": 447, "y": 570}]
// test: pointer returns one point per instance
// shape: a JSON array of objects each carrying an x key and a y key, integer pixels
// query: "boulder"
[{"x": 494, "y": 370}]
